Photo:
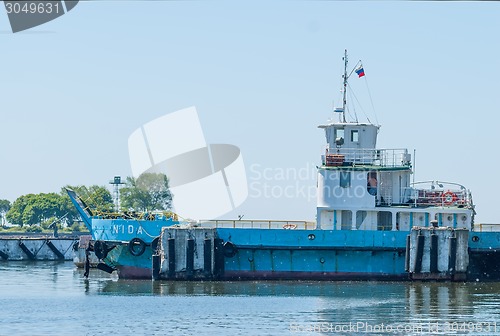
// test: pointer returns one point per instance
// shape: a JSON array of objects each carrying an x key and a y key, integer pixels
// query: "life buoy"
[
  {"x": 101, "y": 249},
  {"x": 449, "y": 198},
  {"x": 136, "y": 247},
  {"x": 290, "y": 226},
  {"x": 229, "y": 250}
]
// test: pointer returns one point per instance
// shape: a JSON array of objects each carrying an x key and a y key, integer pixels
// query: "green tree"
[
  {"x": 4, "y": 207},
  {"x": 15, "y": 213},
  {"x": 36, "y": 208},
  {"x": 150, "y": 191}
]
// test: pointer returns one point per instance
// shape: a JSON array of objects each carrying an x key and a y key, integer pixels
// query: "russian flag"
[{"x": 360, "y": 71}]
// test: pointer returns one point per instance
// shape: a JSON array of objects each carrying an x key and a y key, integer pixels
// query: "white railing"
[
  {"x": 438, "y": 194},
  {"x": 374, "y": 157},
  {"x": 258, "y": 224},
  {"x": 487, "y": 227}
]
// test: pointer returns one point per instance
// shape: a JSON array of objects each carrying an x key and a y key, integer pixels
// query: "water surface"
[{"x": 51, "y": 298}]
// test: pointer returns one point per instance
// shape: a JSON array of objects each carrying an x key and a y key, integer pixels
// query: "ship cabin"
[{"x": 361, "y": 187}]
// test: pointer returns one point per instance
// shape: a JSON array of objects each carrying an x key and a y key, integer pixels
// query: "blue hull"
[
  {"x": 125, "y": 229},
  {"x": 129, "y": 266},
  {"x": 117, "y": 233},
  {"x": 315, "y": 254},
  {"x": 318, "y": 255},
  {"x": 287, "y": 254}
]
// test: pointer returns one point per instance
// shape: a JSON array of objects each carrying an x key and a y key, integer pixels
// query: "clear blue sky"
[{"x": 262, "y": 76}]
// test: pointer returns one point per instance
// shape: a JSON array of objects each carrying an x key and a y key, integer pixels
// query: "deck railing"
[
  {"x": 487, "y": 227},
  {"x": 372, "y": 157},
  {"x": 433, "y": 197},
  {"x": 153, "y": 215},
  {"x": 258, "y": 224}
]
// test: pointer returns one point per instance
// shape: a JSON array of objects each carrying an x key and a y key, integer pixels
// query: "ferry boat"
[{"x": 372, "y": 223}]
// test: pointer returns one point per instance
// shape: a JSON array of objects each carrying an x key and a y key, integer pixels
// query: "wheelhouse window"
[
  {"x": 339, "y": 133},
  {"x": 345, "y": 179},
  {"x": 354, "y": 136}
]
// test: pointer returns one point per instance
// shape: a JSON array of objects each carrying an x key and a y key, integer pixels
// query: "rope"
[
  {"x": 167, "y": 214},
  {"x": 354, "y": 69},
  {"x": 92, "y": 201},
  {"x": 351, "y": 94},
  {"x": 371, "y": 100},
  {"x": 146, "y": 232},
  {"x": 360, "y": 106}
]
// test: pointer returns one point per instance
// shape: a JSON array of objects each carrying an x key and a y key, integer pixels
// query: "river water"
[{"x": 51, "y": 298}]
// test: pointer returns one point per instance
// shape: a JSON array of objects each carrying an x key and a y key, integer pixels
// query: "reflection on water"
[
  {"x": 438, "y": 300},
  {"x": 104, "y": 304}
]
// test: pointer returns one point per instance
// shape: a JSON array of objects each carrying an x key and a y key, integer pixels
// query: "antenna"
[
  {"x": 414, "y": 163},
  {"x": 345, "y": 85},
  {"x": 344, "y": 90},
  {"x": 116, "y": 183}
]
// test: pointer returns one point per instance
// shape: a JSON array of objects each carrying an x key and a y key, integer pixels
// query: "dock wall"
[{"x": 22, "y": 247}]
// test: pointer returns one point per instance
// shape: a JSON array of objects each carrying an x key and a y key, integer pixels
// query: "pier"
[
  {"x": 439, "y": 253},
  {"x": 38, "y": 247},
  {"x": 188, "y": 254}
]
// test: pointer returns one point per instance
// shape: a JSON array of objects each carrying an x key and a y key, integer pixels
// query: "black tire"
[
  {"x": 100, "y": 249},
  {"x": 154, "y": 244},
  {"x": 229, "y": 250},
  {"x": 136, "y": 247}
]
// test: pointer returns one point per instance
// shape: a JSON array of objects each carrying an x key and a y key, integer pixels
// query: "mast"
[{"x": 344, "y": 101}]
